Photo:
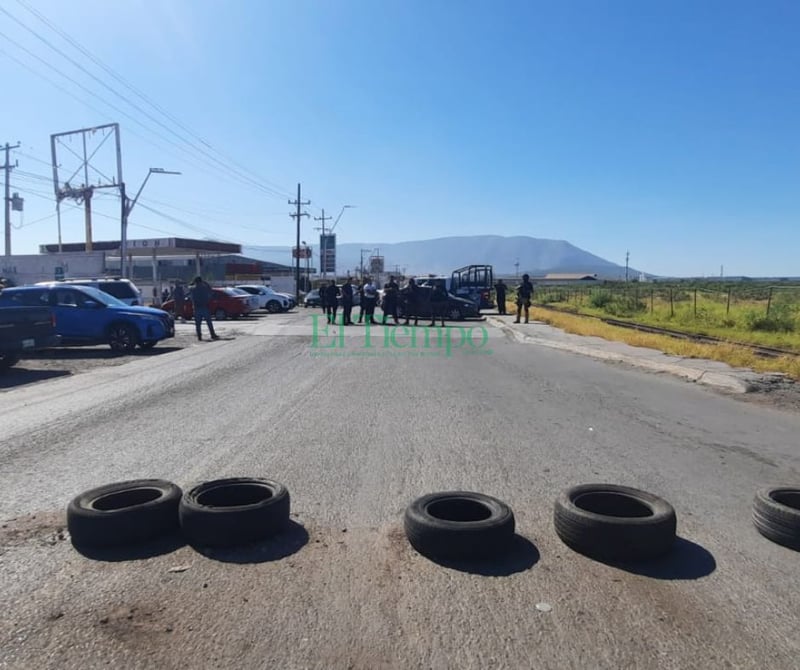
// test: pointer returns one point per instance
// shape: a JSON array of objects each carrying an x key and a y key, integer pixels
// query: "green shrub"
[
  {"x": 600, "y": 299},
  {"x": 778, "y": 321}
]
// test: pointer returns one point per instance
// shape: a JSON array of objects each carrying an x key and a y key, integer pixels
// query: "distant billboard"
[
  {"x": 376, "y": 265},
  {"x": 327, "y": 253}
]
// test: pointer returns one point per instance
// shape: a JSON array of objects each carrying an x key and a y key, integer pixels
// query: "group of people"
[
  {"x": 524, "y": 297},
  {"x": 411, "y": 297}
]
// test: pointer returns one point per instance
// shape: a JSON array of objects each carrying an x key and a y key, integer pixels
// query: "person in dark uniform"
[
  {"x": 390, "y": 296},
  {"x": 524, "y": 296},
  {"x": 500, "y": 291},
  {"x": 323, "y": 300},
  {"x": 331, "y": 301},
  {"x": 361, "y": 300},
  {"x": 438, "y": 302},
  {"x": 410, "y": 296},
  {"x": 347, "y": 301}
]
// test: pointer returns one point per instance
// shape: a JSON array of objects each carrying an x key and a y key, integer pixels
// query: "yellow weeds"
[{"x": 727, "y": 353}]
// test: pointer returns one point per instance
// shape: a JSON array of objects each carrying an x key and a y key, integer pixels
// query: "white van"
[{"x": 122, "y": 289}]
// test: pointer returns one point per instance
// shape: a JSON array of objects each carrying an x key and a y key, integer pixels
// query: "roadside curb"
[{"x": 733, "y": 382}]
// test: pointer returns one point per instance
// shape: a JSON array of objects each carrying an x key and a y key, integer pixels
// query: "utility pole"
[
  {"x": 627, "y": 256},
  {"x": 516, "y": 269},
  {"x": 299, "y": 203},
  {"x": 7, "y": 168},
  {"x": 323, "y": 247}
]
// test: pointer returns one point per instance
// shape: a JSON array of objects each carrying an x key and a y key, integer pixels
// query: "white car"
[
  {"x": 252, "y": 300},
  {"x": 268, "y": 299}
]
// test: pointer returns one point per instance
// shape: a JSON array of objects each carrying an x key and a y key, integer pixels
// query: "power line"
[
  {"x": 214, "y": 165},
  {"x": 198, "y": 149}
]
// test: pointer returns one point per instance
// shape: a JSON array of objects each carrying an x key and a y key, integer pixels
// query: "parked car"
[
  {"x": 458, "y": 309},
  {"x": 25, "y": 328},
  {"x": 260, "y": 292},
  {"x": 225, "y": 304},
  {"x": 313, "y": 299},
  {"x": 86, "y": 315},
  {"x": 252, "y": 300},
  {"x": 122, "y": 289}
]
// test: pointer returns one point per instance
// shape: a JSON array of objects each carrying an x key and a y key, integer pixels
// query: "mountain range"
[{"x": 442, "y": 255}]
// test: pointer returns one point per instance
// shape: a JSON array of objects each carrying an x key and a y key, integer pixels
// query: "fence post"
[
  {"x": 769, "y": 300},
  {"x": 671, "y": 304},
  {"x": 728, "y": 308},
  {"x": 651, "y": 300},
  {"x": 695, "y": 303}
]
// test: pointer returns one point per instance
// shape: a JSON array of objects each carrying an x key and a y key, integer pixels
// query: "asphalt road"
[{"x": 356, "y": 433}]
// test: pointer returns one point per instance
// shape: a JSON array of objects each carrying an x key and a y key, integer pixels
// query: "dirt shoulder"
[{"x": 65, "y": 361}]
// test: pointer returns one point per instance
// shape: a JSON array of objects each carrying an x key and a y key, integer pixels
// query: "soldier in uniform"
[
  {"x": 524, "y": 295},
  {"x": 390, "y": 296},
  {"x": 500, "y": 292}
]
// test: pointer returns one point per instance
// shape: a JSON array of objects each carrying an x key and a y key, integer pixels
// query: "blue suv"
[{"x": 85, "y": 315}]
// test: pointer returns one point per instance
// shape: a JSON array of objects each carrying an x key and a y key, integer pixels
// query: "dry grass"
[{"x": 726, "y": 353}]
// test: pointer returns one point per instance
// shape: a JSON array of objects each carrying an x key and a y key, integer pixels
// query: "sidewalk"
[{"x": 710, "y": 373}]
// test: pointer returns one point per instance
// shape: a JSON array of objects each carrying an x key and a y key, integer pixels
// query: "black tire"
[
  {"x": 220, "y": 314},
  {"x": 273, "y": 307},
  {"x": 122, "y": 338},
  {"x": 776, "y": 515},
  {"x": 236, "y": 511},
  {"x": 149, "y": 344},
  {"x": 455, "y": 314},
  {"x": 615, "y": 523},
  {"x": 458, "y": 525},
  {"x": 124, "y": 513},
  {"x": 9, "y": 359}
]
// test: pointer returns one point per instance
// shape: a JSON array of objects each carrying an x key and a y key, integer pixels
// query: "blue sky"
[{"x": 670, "y": 129}]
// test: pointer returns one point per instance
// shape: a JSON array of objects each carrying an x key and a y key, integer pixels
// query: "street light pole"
[{"x": 127, "y": 208}]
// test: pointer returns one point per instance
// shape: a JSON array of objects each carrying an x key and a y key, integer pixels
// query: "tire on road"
[
  {"x": 459, "y": 525},
  {"x": 273, "y": 307},
  {"x": 124, "y": 513},
  {"x": 235, "y": 511},
  {"x": 776, "y": 515},
  {"x": 615, "y": 523}
]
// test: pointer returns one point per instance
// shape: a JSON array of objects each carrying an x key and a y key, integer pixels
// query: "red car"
[{"x": 225, "y": 304}]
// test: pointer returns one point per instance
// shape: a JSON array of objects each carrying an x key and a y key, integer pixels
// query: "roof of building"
[
  {"x": 556, "y": 276},
  {"x": 165, "y": 246}
]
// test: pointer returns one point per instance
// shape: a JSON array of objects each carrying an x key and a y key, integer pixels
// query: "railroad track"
[{"x": 767, "y": 352}]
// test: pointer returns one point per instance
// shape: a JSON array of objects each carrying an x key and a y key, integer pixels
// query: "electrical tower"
[
  {"x": 7, "y": 170},
  {"x": 627, "y": 256},
  {"x": 296, "y": 215}
]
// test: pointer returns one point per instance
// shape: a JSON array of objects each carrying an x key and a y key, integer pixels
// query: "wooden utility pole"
[
  {"x": 299, "y": 203},
  {"x": 7, "y": 168}
]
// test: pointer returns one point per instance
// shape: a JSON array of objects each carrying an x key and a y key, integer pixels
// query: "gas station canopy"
[{"x": 165, "y": 246}]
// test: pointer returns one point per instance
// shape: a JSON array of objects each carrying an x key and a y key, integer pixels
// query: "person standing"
[
  {"x": 500, "y": 292},
  {"x": 390, "y": 296},
  {"x": 524, "y": 295},
  {"x": 370, "y": 300},
  {"x": 438, "y": 302},
  {"x": 179, "y": 301},
  {"x": 331, "y": 301},
  {"x": 361, "y": 299},
  {"x": 201, "y": 302},
  {"x": 347, "y": 301},
  {"x": 411, "y": 298}
]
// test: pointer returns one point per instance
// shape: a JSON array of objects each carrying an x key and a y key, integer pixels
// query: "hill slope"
[{"x": 442, "y": 255}]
